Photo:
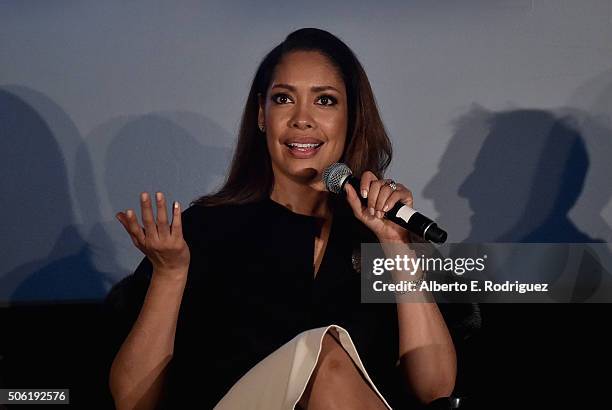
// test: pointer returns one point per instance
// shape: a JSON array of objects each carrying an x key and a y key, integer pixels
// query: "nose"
[
  {"x": 301, "y": 118},
  {"x": 466, "y": 186},
  {"x": 301, "y": 124}
]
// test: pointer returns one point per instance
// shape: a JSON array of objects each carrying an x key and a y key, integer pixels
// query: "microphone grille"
[{"x": 334, "y": 176}]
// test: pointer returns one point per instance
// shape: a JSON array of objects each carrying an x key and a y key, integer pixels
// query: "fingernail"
[
  {"x": 158, "y": 195},
  {"x": 364, "y": 193},
  {"x": 385, "y": 208},
  {"x": 144, "y": 196},
  {"x": 372, "y": 212},
  {"x": 176, "y": 205},
  {"x": 129, "y": 213},
  {"x": 379, "y": 214}
]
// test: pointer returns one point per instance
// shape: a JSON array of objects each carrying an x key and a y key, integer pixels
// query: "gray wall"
[{"x": 499, "y": 112}]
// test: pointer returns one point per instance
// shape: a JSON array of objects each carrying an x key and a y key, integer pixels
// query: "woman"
[{"x": 264, "y": 267}]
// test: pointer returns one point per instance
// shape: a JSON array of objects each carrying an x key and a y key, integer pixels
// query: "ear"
[{"x": 262, "y": 105}]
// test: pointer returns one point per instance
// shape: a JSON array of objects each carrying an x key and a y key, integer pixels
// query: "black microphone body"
[
  {"x": 405, "y": 216},
  {"x": 400, "y": 214}
]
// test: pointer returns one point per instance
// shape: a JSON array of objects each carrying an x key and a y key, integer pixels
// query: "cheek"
[
  {"x": 339, "y": 148},
  {"x": 336, "y": 129},
  {"x": 275, "y": 126}
]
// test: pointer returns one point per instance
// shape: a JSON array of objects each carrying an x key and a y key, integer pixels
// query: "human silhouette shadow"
[
  {"x": 46, "y": 258},
  {"x": 521, "y": 172},
  {"x": 595, "y": 98},
  {"x": 469, "y": 133},
  {"x": 182, "y": 154},
  {"x": 527, "y": 176},
  {"x": 47, "y": 274}
]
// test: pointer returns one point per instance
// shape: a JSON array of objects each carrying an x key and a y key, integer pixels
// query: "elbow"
[
  {"x": 442, "y": 388},
  {"x": 430, "y": 373},
  {"x": 137, "y": 391},
  {"x": 114, "y": 383},
  {"x": 119, "y": 387}
]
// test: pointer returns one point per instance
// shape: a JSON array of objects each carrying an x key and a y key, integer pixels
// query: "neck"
[{"x": 300, "y": 198}]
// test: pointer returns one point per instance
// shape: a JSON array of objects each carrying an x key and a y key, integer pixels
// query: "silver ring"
[{"x": 391, "y": 183}]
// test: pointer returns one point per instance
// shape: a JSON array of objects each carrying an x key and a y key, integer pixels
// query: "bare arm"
[
  {"x": 426, "y": 350},
  {"x": 427, "y": 354},
  {"x": 138, "y": 371}
]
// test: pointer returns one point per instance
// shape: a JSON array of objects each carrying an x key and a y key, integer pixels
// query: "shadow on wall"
[
  {"x": 156, "y": 152},
  {"x": 529, "y": 170},
  {"x": 45, "y": 257},
  {"x": 595, "y": 97},
  {"x": 60, "y": 242},
  {"x": 152, "y": 153}
]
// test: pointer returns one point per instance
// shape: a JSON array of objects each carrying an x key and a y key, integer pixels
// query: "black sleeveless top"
[{"x": 251, "y": 288}]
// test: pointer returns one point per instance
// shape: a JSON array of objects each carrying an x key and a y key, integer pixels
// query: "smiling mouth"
[{"x": 303, "y": 147}]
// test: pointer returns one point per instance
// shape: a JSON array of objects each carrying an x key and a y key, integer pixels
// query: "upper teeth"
[{"x": 295, "y": 144}]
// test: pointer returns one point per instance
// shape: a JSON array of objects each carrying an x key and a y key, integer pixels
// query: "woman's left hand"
[{"x": 381, "y": 198}]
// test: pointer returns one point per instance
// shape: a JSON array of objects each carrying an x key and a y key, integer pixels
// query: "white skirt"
[{"x": 279, "y": 380}]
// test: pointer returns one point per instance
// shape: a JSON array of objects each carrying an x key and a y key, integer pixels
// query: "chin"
[
  {"x": 319, "y": 186},
  {"x": 306, "y": 174}
]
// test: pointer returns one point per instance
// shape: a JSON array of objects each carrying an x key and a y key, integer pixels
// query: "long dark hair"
[{"x": 367, "y": 145}]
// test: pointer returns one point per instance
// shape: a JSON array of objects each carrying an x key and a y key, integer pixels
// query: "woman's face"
[{"x": 305, "y": 116}]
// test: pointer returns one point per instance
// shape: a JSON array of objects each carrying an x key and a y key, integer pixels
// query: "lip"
[
  {"x": 303, "y": 153},
  {"x": 302, "y": 140}
]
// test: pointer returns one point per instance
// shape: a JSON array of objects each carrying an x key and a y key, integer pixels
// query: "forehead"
[{"x": 307, "y": 68}]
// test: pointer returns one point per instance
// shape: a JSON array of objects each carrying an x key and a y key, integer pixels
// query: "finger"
[
  {"x": 122, "y": 218},
  {"x": 163, "y": 229},
  {"x": 366, "y": 178},
  {"x": 176, "y": 230},
  {"x": 383, "y": 195},
  {"x": 354, "y": 202},
  {"x": 402, "y": 195},
  {"x": 133, "y": 228},
  {"x": 147, "y": 215},
  {"x": 375, "y": 187}
]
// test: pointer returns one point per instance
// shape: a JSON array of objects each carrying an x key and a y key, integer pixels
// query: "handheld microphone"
[{"x": 337, "y": 175}]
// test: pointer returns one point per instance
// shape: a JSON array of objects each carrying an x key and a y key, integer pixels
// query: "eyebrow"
[{"x": 316, "y": 88}]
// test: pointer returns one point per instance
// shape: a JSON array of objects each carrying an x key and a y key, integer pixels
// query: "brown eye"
[
  {"x": 281, "y": 98},
  {"x": 327, "y": 100}
]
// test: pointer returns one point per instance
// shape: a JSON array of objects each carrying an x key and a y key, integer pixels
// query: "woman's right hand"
[{"x": 162, "y": 243}]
